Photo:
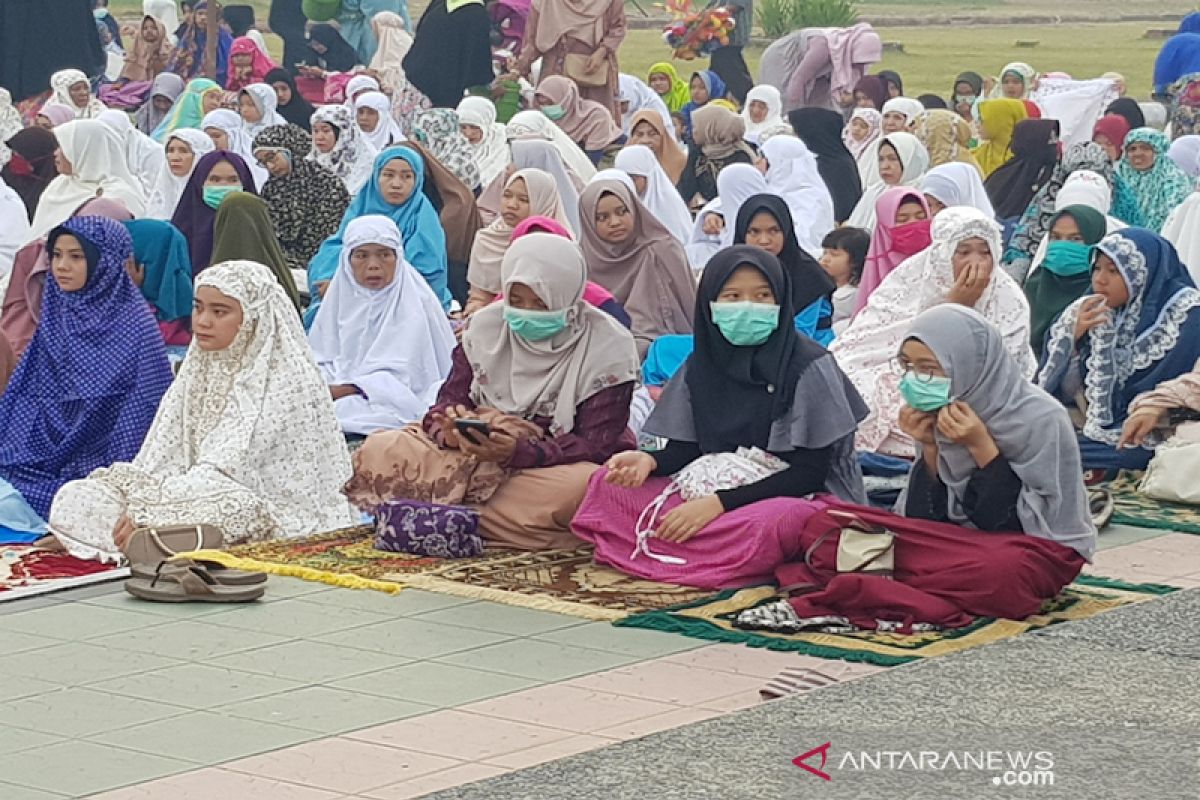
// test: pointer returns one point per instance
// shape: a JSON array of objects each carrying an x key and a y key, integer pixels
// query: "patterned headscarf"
[
  {"x": 61, "y": 83},
  {"x": 351, "y": 157},
  {"x": 437, "y": 129},
  {"x": 1159, "y": 189},
  {"x": 874, "y": 122},
  {"x": 89, "y": 384}
]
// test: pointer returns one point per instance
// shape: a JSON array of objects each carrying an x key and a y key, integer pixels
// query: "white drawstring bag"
[{"x": 1174, "y": 472}]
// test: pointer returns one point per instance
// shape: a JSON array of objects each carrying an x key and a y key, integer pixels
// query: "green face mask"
[
  {"x": 1068, "y": 258},
  {"x": 925, "y": 395},
  {"x": 554, "y": 112},
  {"x": 745, "y": 324},
  {"x": 535, "y": 326},
  {"x": 214, "y": 195}
]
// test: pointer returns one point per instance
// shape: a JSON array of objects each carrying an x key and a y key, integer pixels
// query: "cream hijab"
[
  {"x": 61, "y": 83},
  {"x": 661, "y": 198},
  {"x": 550, "y": 378},
  {"x": 492, "y": 154},
  {"x": 915, "y": 160},
  {"x": 168, "y": 187},
  {"x": 536, "y": 125},
  {"x": 492, "y": 242}
]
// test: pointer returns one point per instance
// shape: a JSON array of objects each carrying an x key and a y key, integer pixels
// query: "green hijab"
[
  {"x": 1048, "y": 293},
  {"x": 243, "y": 232},
  {"x": 187, "y": 111},
  {"x": 680, "y": 94}
]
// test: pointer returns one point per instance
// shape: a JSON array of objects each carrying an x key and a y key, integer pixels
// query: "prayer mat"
[
  {"x": 1131, "y": 507},
  {"x": 26, "y": 572},
  {"x": 712, "y": 619}
]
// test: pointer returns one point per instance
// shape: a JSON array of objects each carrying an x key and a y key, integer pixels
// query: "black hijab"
[
  {"x": 41, "y": 37},
  {"x": 451, "y": 52},
  {"x": 738, "y": 392},
  {"x": 339, "y": 56},
  {"x": 1011, "y": 187},
  {"x": 1128, "y": 108},
  {"x": 298, "y": 111},
  {"x": 240, "y": 19},
  {"x": 892, "y": 79},
  {"x": 32, "y": 166},
  {"x": 808, "y": 280},
  {"x": 821, "y": 130}
]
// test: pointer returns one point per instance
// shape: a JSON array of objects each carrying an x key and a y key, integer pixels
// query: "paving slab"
[{"x": 1169, "y": 626}]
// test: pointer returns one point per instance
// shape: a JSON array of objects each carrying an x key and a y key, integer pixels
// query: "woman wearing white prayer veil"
[
  {"x": 1182, "y": 229},
  {"x": 184, "y": 148},
  {"x": 259, "y": 100},
  {"x": 633, "y": 95},
  {"x": 488, "y": 138},
  {"x": 903, "y": 161},
  {"x": 536, "y": 125},
  {"x": 763, "y": 111},
  {"x": 655, "y": 189},
  {"x": 95, "y": 166},
  {"x": 381, "y": 338},
  {"x": 956, "y": 184},
  {"x": 793, "y": 175},
  {"x": 386, "y": 132},
  {"x": 736, "y": 184},
  {"x": 245, "y": 438},
  {"x": 144, "y": 156},
  {"x": 227, "y": 132}
]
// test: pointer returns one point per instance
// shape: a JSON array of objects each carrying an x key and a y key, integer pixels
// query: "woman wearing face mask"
[
  {"x": 216, "y": 176},
  {"x": 559, "y": 379},
  {"x": 87, "y": 387},
  {"x": 340, "y": 148},
  {"x": 184, "y": 148},
  {"x": 382, "y": 341},
  {"x": 751, "y": 382},
  {"x": 587, "y": 123},
  {"x": 968, "y": 87},
  {"x": 201, "y": 462},
  {"x": 228, "y": 132},
  {"x": 1065, "y": 272},
  {"x": 901, "y": 231},
  {"x": 1157, "y": 182},
  {"x": 959, "y": 267},
  {"x": 306, "y": 201},
  {"x": 632, "y": 255},
  {"x": 1137, "y": 330}
]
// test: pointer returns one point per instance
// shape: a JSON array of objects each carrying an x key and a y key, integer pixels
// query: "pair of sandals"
[{"x": 184, "y": 580}]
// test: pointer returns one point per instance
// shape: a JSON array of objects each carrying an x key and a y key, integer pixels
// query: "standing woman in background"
[{"x": 451, "y": 51}]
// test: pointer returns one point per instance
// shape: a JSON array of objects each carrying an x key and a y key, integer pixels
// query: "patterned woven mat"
[
  {"x": 26, "y": 572},
  {"x": 1131, "y": 507}
]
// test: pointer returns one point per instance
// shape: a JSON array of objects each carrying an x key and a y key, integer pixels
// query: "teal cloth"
[
  {"x": 354, "y": 23},
  {"x": 1160, "y": 189},
  {"x": 162, "y": 251},
  {"x": 19, "y": 523}
]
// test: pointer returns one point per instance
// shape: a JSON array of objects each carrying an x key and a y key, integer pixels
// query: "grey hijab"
[{"x": 1030, "y": 428}]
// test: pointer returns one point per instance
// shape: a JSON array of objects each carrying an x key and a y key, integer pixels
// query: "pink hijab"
[
  {"x": 883, "y": 257},
  {"x": 593, "y": 294}
]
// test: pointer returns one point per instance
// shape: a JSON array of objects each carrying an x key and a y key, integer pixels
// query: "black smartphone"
[{"x": 475, "y": 430}]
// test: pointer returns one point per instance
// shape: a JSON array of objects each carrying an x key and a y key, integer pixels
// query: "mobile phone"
[{"x": 474, "y": 429}]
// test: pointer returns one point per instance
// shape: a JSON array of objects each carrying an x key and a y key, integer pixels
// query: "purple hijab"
[
  {"x": 89, "y": 384},
  {"x": 193, "y": 217}
]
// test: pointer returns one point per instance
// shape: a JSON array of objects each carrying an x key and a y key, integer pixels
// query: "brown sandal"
[
  {"x": 186, "y": 581},
  {"x": 222, "y": 574}
]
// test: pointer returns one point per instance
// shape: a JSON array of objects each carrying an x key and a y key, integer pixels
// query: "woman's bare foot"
[{"x": 49, "y": 543}]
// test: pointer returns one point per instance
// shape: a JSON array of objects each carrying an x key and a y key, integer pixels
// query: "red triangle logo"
[{"x": 818, "y": 771}]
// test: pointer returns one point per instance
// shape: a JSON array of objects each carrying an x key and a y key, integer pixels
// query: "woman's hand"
[
  {"x": 970, "y": 283},
  {"x": 713, "y": 224},
  {"x": 629, "y": 469},
  {"x": 320, "y": 287},
  {"x": 1093, "y": 313},
  {"x": 339, "y": 390},
  {"x": 918, "y": 424},
  {"x": 445, "y": 422},
  {"x": 961, "y": 425},
  {"x": 497, "y": 447},
  {"x": 1138, "y": 426},
  {"x": 596, "y": 60},
  {"x": 685, "y": 521},
  {"x": 123, "y": 532}
]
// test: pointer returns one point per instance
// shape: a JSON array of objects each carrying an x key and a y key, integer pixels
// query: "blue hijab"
[
  {"x": 90, "y": 382},
  {"x": 1153, "y": 338},
  {"x": 354, "y": 20},
  {"x": 1180, "y": 55},
  {"x": 417, "y": 219},
  {"x": 1190, "y": 23},
  {"x": 716, "y": 91},
  {"x": 163, "y": 253},
  {"x": 187, "y": 60}
]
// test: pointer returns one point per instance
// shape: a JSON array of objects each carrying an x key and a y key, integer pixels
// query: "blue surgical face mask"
[
  {"x": 745, "y": 324},
  {"x": 99, "y": 13},
  {"x": 214, "y": 195},
  {"x": 535, "y": 326},
  {"x": 554, "y": 112},
  {"x": 1068, "y": 258},
  {"x": 925, "y": 395}
]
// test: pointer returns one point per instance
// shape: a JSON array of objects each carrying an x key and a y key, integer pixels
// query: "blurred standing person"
[
  {"x": 451, "y": 51},
  {"x": 28, "y": 26},
  {"x": 288, "y": 22},
  {"x": 728, "y": 61}
]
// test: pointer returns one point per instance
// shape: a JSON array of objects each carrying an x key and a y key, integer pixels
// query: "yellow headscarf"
[
  {"x": 999, "y": 117},
  {"x": 680, "y": 94}
]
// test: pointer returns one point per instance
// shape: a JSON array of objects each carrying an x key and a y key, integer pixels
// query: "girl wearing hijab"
[
  {"x": 871, "y": 92},
  {"x": 438, "y": 131},
  {"x": 148, "y": 54},
  {"x": 373, "y": 115},
  {"x": 396, "y": 190},
  {"x": 1110, "y": 133},
  {"x": 31, "y": 167},
  {"x": 381, "y": 341},
  {"x": 535, "y": 124},
  {"x": 184, "y": 148},
  {"x": 201, "y": 97},
  {"x": 862, "y": 130},
  {"x": 647, "y": 128},
  {"x": 902, "y": 225},
  {"x": 201, "y": 462},
  {"x": 636, "y": 96},
  {"x": 902, "y": 161},
  {"x": 718, "y": 140},
  {"x": 763, "y": 111},
  {"x": 527, "y": 193},
  {"x": 704, "y": 87},
  {"x": 968, "y": 88},
  {"x": 163, "y": 272},
  {"x": 242, "y": 231},
  {"x": 1017, "y": 80},
  {"x": 247, "y": 65},
  {"x": 792, "y": 174},
  {"x": 451, "y": 51},
  {"x": 821, "y": 130},
  {"x": 751, "y": 382},
  {"x": 541, "y": 155},
  {"x": 961, "y": 267},
  {"x": 1064, "y": 274},
  {"x": 164, "y": 91},
  {"x": 1157, "y": 183},
  {"x": 587, "y": 123},
  {"x": 1135, "y": 332},
  {"x": 947, "y": 137},
  {"x": 655, "y": 189},
  {"x": 997, "y": 121},
  {"x": 631, "y": 254},
  {"x": 215, "y": 176},
  {"x": 87, "y": 387},
  {"x": 228, "y": 132},
  {"x": 487, "y": 138},
  {"x": 256, "y": 105},
  {"x": 666, "y": 83},
  {"x": 91, "y": 163},
  {"x": 551, "y": 376},
  {"x": 292, "y": 105},
  {"x": 340, "y": 148},
  {"x": 955, "y": 184},
  {"x": 188, "y": 58},
  {"x": 1012, "y": 186},
  {"x": 576, "y": 39},
  {"x": 70, "y": 87}
]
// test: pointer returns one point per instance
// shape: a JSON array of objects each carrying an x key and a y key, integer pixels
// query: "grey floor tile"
[
  {"x": 412, "y": 638},
  {"x": 536, "y": 660},
  {"x": 501, "y": 618},
  {"x": 308, "y": 661},
  {"x": 206, "y": 738},
  {"x": 79, "y": 663},
  {"x": 435, "y": 684},
  {"x": 191, "y": 640},
  {"x": 82, "y": 712},
  {"x": 627, "y": 641},
  {"x": 195, "y": 685},
  {"x": 325, "y": 711},
  {"x": 10, "y": 791},
  {"x": 79, "y": 621},
  {"x": 80, "y": 768},
  {"x": 293, "y": 619}
]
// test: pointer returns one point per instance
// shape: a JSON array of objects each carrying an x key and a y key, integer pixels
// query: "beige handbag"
[
  {"x": 152, "y": 546},
  {"x": 862, "y": 547},
  {"x": 575, "y": 68},
  {"x": 1174, "y": 472}
]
